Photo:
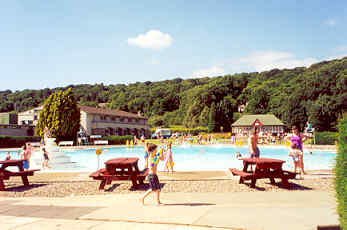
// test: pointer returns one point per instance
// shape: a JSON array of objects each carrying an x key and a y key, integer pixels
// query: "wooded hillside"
[{"x": 317, "y": 93}]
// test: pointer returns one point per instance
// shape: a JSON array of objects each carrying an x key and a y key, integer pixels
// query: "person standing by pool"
[
  {"x": 296, "y": 147},
  {"x": 146, "y": 154},
  {"x": 46, "y": 133},
  {"x": 168, "y": 158},
  {"x": 8, "y": 156},
  {"x": 28, "y": 153},
  {"x": 253, "y": 144},
  {"x": 45, "y": 158},
  {"x": 154, "y": 185},
  {"x": 23, "y": 156}
]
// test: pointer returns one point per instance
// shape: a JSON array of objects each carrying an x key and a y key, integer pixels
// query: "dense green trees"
[
  {"x": 61, "y": 115},
  {"x": 317, "y": 93}
]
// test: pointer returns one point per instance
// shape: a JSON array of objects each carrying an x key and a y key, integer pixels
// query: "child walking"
[{"x": 153, "y": 179}]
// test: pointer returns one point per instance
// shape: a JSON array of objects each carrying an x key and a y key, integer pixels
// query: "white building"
[
  {"x": 99, "y": 121},
  {"x": 29, "y": 117}
]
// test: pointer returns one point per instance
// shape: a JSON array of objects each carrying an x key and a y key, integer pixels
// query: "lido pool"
[{"x": 189, "y": 158}]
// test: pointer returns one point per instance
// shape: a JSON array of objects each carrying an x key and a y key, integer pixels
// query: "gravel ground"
[{"x": 79, "y": 184}]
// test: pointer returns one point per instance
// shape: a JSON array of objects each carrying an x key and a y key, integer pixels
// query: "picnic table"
[
  {"x": 6, "y": 174},
  {"x": 120, "y": 169},
  {"x": 264, "y": 168}
]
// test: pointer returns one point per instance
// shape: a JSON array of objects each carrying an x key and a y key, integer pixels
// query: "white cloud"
[
  {"x": 211, "y": 72},
  {"x": 153, "y": 39},
  {"x": 330, "y": 22},
  {"x": 339, "y": 56},
  {"x": 267, "y": 60}
]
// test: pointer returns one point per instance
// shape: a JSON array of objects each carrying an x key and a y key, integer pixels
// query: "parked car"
[{"x": 165, "y": 133}]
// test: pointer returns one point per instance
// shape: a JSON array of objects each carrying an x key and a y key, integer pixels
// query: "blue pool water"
[{"x": 194, "y": 158}]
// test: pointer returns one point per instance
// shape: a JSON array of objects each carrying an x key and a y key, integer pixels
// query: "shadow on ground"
[
  {"x": 145, "y": 187},
  {"x": 292, "y": 186},
  {"x": 22, "y": 188},
  {"x": 189, "y": 204}
]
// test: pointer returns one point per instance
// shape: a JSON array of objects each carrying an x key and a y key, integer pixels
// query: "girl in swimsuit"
[{"x": 296, "y": 149}]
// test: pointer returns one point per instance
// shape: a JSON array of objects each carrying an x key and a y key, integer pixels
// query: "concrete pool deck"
[{"x": 256, "y": 211}]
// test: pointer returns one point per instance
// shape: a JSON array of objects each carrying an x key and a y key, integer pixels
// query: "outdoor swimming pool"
[{"x": 194, "y": 158}]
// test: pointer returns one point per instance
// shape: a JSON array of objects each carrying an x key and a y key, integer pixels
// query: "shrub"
[
  {"x": 325, "y": 138},
  {"x": 340, "y": 171},
  {"x": 117, "y": 140},
  {"x": 16, "y": 141}
]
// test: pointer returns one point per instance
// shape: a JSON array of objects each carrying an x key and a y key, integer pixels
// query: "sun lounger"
[
  {"x": 66, "y": 143},
  {"x": 35, "y": 144},
  {"x": 101, "y": 142}
]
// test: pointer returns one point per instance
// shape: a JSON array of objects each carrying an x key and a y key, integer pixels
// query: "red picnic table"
[
  {"x": 120, "y": 169},
  {"x": 6, "y": 174},
  {"x": 264, "y": 168}
]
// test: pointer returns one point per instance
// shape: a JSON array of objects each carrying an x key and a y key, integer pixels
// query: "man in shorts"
[{"x": 253, "y": 144}]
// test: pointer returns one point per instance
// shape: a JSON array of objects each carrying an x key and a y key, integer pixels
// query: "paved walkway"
[{"x": 193, "y": 211}]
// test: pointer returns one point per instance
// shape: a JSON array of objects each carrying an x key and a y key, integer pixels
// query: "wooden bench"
[
  {"x": 284, "y": 175},
  {"x": 244, "y": 175},
  {"x": 107, "y": 178},
  {"x": 66, "y": 143},
  {"x": 6, "y": 175}
]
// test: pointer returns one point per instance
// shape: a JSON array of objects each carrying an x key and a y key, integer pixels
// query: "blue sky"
[{"x": 58, "y": 43}]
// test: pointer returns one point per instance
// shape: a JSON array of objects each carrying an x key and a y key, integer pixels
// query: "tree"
[
  {"x": 212, "y": 119},
  {"x": 259, "y": 101},
  {"x": 61, "y": 115}
]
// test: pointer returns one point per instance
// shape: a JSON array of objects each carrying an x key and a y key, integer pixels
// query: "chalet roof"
[
  {"x": 248, "y": 120},
  {"x": 112, "y": 112}
]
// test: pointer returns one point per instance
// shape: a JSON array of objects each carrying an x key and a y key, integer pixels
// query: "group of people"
[
  {"x": 296, "y": 140},
  {"x": 26, "y": 152}
]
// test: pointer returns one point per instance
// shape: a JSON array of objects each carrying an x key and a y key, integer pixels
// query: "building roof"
[
  {"x": 112, "y": 112},
  {"x": 31, "y": 110},
  {"x": 248, "y": 120}
]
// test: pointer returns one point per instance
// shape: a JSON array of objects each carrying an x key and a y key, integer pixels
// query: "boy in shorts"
[{"x": 154, "y": 185}]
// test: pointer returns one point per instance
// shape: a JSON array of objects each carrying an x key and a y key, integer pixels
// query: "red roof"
[{"x": 113, "y": 112}]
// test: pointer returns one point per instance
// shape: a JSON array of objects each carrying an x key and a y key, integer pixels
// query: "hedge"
[
  {"x": 117, "y": 140},
  {"x": 16, "y": 141},
  {"x": 341, "y": 172},
  {"x": 325, "y": 138}
]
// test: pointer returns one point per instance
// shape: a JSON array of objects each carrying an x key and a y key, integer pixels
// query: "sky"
[{"x": 48, "y": 44}]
